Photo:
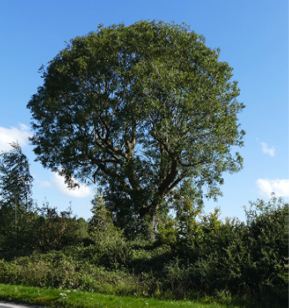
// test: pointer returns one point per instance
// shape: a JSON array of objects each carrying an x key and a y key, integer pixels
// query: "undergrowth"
[{"x": 229, "y": 262}]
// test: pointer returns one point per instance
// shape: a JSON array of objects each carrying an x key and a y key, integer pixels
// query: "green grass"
[{"x": 71, "y": 298}]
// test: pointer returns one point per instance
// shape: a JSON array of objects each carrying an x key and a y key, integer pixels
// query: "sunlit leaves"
[{"x": 145, "y": 106}]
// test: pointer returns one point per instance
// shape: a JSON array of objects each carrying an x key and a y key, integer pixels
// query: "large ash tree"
[{"x": 145, "y": 111}]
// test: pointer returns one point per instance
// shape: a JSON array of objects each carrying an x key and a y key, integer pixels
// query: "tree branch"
[{"x": 169, "y": 178}]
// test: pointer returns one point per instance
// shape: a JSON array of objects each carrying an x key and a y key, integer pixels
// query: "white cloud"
[
  {"x": 82, "y": 192},
  {"x": 13, "y": 134},
  {"x": 279, "y": 187},
  {"x": 267, "y": 150}
]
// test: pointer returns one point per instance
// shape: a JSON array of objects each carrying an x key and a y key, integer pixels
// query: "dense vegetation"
[{"x": 201, "y": 257}]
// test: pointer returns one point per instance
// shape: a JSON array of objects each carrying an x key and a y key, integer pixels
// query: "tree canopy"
[{"x": 146, "y": 111}]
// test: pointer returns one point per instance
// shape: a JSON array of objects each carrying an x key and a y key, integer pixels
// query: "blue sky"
[{"x": 252, "y": 36}]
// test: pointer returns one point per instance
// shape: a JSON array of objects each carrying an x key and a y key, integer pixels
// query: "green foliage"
[
  {"x": 139, "y": 110},
  {"x": 55, "y": 231},
  {"x": 265, "y": 258},
  {"x": 187, "y": 206},
  {"x": 45, "y": 229},
  {"x": 15, "y": 198},
  {"x": 167, "y": 232},
  {"x": 15, "y": 178},
  {"x": 244, "y": 259},
  {"x": 57, "y": 269},
  {"x": 216, "y": 259},
  {"x": 110, "y": 247},
  {"x": 101, "y": 221}
]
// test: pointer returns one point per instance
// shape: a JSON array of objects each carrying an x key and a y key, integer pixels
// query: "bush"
[
  {"x": 214, "y": 258},
  {"x": 242, "y": 259}
]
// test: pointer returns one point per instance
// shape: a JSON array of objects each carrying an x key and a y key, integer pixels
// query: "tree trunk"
[
  {"x": 153, "y": 222},
  {"x": 152, "y": 228},
  {"x": 151, "y": 214}
]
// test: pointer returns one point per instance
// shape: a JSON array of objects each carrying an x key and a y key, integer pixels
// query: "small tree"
[
  {"x": 55, "y": 230},
  {"x": 15, "y": 191},
  {"x": 110, "y": 246},
  {"x": 101, "y": 221}
]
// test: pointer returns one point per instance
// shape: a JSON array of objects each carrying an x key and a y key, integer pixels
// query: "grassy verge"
[{"x": 71, "y": 298}]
